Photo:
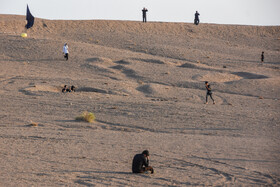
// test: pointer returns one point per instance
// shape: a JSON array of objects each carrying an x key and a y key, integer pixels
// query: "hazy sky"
[{"x": 248, "y": 12}]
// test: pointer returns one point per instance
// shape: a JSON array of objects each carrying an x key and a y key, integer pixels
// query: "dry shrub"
[
  {"x": 86, "y": 116},
  {"x": 140, "y": 82},
  {"x": 261, "y": 97},
  {"x": 33, "y": 124}
]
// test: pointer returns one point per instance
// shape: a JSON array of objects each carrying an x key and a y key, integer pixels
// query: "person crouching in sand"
[
  {"x": 209, "y": 92},
  {"x": 140, "y": 163},
  {"x": 64, "y": 88},
  {"x": 67, "y": 89}
]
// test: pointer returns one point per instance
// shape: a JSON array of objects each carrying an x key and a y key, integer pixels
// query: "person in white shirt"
[{"x": 65, "y": 51}]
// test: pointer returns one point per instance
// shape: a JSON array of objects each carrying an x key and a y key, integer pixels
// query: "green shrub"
[{"x": 86, "y": 116}]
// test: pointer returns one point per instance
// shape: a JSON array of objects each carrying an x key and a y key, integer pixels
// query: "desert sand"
[{"x": 145, "y": 84}]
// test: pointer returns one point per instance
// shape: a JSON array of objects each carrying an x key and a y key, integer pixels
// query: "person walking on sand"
[
  {"x": 196, "y": 18},
  {"x": 209, "y": 92},
  {"x": 262, "y": 57},
  {"x": 144, "y": 13},
  {"x": 140, "y": 163},
  {"x": 65, "y": 51}
]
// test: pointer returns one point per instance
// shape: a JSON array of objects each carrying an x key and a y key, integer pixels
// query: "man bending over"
[{"x": 140, "y": 163}]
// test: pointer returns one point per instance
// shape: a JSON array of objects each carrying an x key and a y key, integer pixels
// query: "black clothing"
[
  {"x": 196, "y": 18},
  {"x": 208, "y": 88},
  {"x": 73, "y": 88},
  {"x": 66, "y": 56},
  {"x": 144, "y": 12},
  {"x": 64, "y": 88},
  {"x": 196, "y": 15},
  {"x": 262, "y": 58},
  {"x": 209, "y": 93},
  {"x": 139, "y": 163}
]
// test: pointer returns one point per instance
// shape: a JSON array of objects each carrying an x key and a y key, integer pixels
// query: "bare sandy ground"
[{"x": 145, "y": 84}]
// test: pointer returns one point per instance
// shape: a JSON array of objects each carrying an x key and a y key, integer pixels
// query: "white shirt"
[{"x": 65, "y": 49}]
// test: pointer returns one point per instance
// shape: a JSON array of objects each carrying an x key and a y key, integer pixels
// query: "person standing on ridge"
[
  {"x": 196, "y": 18},
  {"x": 209, "y": 92},
  {"x": 144, "y": 13},
  {"x": 262, "y": 57},
  {"x": 65, "y": 51},
  {"x": 140, "y": 163}
]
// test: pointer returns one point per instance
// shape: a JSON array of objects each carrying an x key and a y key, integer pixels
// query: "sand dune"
[{"x": 145, "y": 85}]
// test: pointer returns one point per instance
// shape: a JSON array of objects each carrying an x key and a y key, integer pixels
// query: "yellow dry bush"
[{"x": 86, "y": 116}]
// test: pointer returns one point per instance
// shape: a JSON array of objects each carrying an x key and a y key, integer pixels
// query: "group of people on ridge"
[
  {"x": 144, "y": 13},
  {"x": 145, "y": 10}
]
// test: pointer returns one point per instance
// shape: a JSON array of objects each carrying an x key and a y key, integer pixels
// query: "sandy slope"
[{"x": 144, "y": 82}]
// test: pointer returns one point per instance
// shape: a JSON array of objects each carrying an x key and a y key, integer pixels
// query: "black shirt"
[
  {"x": 139, "y": 162},
  {"x": 196, "y": 15},
  {"x": 144, "y": 12},
  {"x": 208, "y": 89}
]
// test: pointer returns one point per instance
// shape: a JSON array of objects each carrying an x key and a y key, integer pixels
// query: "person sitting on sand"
[
  {"x": 65, "y": 51},
  {"x": 64, "y": 88},
  {"x": 209, "y": 92},
  {"x": 67, "y": 89},
  {"x": 140, "y": 163},
  {"x": 73, "y": 88}
]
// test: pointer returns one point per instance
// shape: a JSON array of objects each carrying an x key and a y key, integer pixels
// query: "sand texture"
[{"x": 145, "y": 84}]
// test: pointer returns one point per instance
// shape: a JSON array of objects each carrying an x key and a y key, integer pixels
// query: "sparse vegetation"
[
  {"x": 33, "y": 124},
  {"x": 140, "y": 82},
  {"x": 86, "y": 116}
]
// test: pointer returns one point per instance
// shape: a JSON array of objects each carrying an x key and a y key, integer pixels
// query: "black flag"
[{"x": 29, "y": 18}]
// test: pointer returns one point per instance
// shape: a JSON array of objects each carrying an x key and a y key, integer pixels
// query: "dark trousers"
[
  {"x": 66, "y": 56},
  {"x": 144, "y": 18},
  {"x": 149, "y": 168},
  {"x": 209, "y": 94},
  {"x": 196, "y": 21}
]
